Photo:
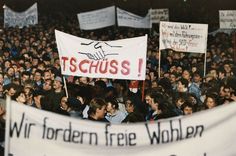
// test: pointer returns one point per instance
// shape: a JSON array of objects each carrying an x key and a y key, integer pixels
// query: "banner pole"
[
  {"x": 205, "y": 64},
  {"x": 65, "y": 86},
  {"x": 143, "y": 90},
  {"x": 7, "y": 130},
  {"x": 159, "y": 68}
]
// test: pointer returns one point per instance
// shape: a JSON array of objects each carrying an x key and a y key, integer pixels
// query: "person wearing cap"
[{"x": 57, "y": 93}]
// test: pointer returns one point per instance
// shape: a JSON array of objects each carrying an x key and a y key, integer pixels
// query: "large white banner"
[
  {"x": 128, "y": 19},
  {"x": 120, "y": 59},
  {"x": 97, "y": 19},
  {"x": 21, "y": 19},
  {"x": 184, "y": 37},
  {"x": 40, "y": 133},
  {"x": 227, "y": 19},
  {"x": 158, "y": 15}
]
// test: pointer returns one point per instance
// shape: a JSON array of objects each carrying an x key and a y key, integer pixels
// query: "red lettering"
[
  {"x": 125, "y": 65},
  {"x": 94, "y": 64},
  {"x": 102, "y": 69},
  {"x": 113, "y": 65},
  {"x": 73, "y": 64},
  {"x": 64, "y": 59},
  {"x": 83, "y": 70}
]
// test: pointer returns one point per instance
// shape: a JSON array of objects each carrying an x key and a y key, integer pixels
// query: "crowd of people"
[{"x": 30, "y": 74}]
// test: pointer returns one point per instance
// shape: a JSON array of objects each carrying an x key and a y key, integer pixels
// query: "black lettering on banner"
[
  {"x": 171, "y": 133},
  {"x": 119, "y": 139},
  {"x": 68, "y": 134},
  {"x": 19, "y": 128}
]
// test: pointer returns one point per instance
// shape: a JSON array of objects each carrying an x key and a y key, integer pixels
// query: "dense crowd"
[{"x": 30, "y": 74}]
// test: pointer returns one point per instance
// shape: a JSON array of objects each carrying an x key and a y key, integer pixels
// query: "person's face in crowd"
[
  {"x": 167, "y": 75},
  {"x": 180, "y": 87},
  {"x": 35, "y": 62},
  {"x": 47, "y": 85},
  {"x": 210, "y": 102},
  {"x": 186, "y": 75},
  {"x": 153, "y": 77},
  {"x": 41, "y": 67},
  {"x": 37, "y": 76},
  {"x": 7, "y": 64},
  {"x": 25, "y": 77},
  {"x": 11, "y": 72},
  {"x": 154, "y": 84},
  {"x": 100, "y": 113},
  {"x": 149, "y": 53},
  {"x": 63, "y": 103},
  {"x": 47, "y": 75},
  {"x": 172, "y": 69},
  {"x": 148, "y": 100},
  {"x": 21, "y": 98},
  {"x": 129, "y": 107},
  {"x": 27, "y": 65},
  {"x": 6, "y": 54},
  {"x": 188, "y": 110},
  {"x": 110, "y": 108},
  {"x": 197, "y": 78},
  {"x": 227, "y": 68},
  {"x": 83, "y": 80},
  {"x": 1, "y": 43},
  {"x": 179, "y": 70},
  {"x": 214, "y": 73},
  {"x": 57, "y": 84},
  {"x": 27, "y": 43},
  {"x": 11, "y": 92},
  {"x": 172, "y": 78},
  {"x": 17, "y": 43},
  {"x": 227, "y": 92}
]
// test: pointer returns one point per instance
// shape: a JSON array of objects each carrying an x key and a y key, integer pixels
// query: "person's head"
[
  {"x": 186, "y": 75},
  {"x": 112, "y": 105},
  {"x": 97, "y": 108},
  {"x": 211, "y": 101},
  {"x": 46, "y": 75},
  {"x": 10, "y": 72},
  {"x": 182, "y": 85},
  {"x": 47, "y": 85},
  {"x": 187, "y": 108},
  {"x": 129, "y": 106},
  {"x": 57, "y": 84},
  {"x": 20, "y": 97},
  {"x": 64, "y": 103},
  {"x": 38, "y": 75},
  {"x": 25, "y": 76}
]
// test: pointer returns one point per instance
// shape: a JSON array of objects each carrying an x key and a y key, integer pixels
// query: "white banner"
[
  {"x": 97, "y": 19},
  {"x": 184, "y": 37},
  {"x": 158, "y": 15},
  {"x": 127, "y": 19},
  {"x": 120, "y": 59},
  {"x": 21, "y": 19},
  {"x": 227, "y": 19},
  {"x": 40, "y": 133}
]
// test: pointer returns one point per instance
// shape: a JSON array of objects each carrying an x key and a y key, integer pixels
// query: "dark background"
[{"x": 196, "y": 11}]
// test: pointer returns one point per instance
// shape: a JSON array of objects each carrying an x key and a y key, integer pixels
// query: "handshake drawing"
[{"x": 98, "y": 50}]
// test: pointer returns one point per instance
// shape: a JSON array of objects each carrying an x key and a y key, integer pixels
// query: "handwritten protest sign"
[
  {"x": 183, "y": 37},
  {"x": 26, "y": 18},
  {"x": 97, "y": 19},
  {"x": 128, "y": 19},
  {"x": 42, "y": 133},
  {"x": 227, "y": 19},
  {"x": 120, "y": 59},
  {"x": 158, "y": 15}
]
